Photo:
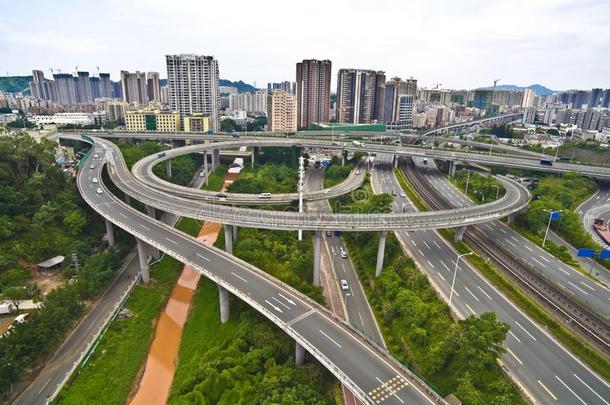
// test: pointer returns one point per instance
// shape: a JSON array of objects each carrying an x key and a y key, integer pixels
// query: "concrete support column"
[
  {"x": 452, "y": 167},
  {"x": 380, "y": 252},
  {"x": 459, "y": 233},
  {"x": 205, "y": 166},
  {"x": 143, "y": 257},
  {"x": 317, "y": 239},
  {"x": 511, "y": 218},
  {"x": 223, "y": 298},
  {"x": 154, "y": 252},
  {"x": 234, "y": 228},
  {"x": 215, "y": 159},
  {"x": 395, "y": 161},
  {"x": 299, "y": 354},
  {"x": 109, "y": 233},
  {"x": 252, "y": 158},
  {"x": 168, "y": 168},
  {"x": 342, "y": 159},
  {"x": 228, "y": 238},
  {"x": 151, "y": 211}
]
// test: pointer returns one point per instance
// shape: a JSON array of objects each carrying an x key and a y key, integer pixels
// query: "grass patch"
[
  {"x": 410, "y": 192},
  {"x": 216, "y": 179},
  {"x": 108, "y": 376}
]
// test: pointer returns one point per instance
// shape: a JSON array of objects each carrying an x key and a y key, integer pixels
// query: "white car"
[
  {"x": 343, "y": 253},
  {"x": 358, "y": 172},
  {"x": 344, "y": 285},
  {"x": 99, "y": 190},
  {"x": 94, "y": 180},
  {"x": 95, "y": 156},
  {"x": 92, "y": 167},
  {"x": 403, "y": 195}
]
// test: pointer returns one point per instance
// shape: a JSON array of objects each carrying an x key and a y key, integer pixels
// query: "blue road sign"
[
  {"x": 604, "y": 254},
  {"x": 586, "y": 252},
  {"x": 555, "y": 215}
]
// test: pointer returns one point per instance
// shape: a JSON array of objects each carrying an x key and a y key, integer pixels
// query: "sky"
[{"x": 562, "y": 44}]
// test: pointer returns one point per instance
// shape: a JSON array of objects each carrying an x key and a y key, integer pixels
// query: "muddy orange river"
[{"x": 160, "y": 363}]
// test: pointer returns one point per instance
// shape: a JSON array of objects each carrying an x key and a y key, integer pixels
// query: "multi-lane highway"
[
  {"x": 566, "y": 277},
  {"x": 544, "y": 369},
  {"x": 597, "y": 206},
  {"x": 369, "y": 372}
]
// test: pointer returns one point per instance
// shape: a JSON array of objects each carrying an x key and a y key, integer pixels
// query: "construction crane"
[
  {"x": 496, "y": 82},
  {"x": 76, "y": 72},
  {"x": 437, "y": 85}
]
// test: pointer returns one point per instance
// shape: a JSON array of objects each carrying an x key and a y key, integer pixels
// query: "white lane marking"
[
  {"x": 45, "y": 385},
  {"x": 441, "y": 276},
  {"x": 471, "y": 310},
  {"x": 578, "y": 288},
  {"x": 437, "y": 245},
  {"x": 515, "y": 336},
  {"x": 123, "y": 215},
  {"x": 361, "y": 320},
  {"x": 413, "y": 242},
  {"x": 430, "y": 263},
  {"x": 511, "y": 243},
  {"x": 278, "y": 309},
  {"x": 528, "y": 248},
  {"x": 503, "y": 230},
  {"x": 548, "y": 391},
  {"x": 443, "y": 263},
  {"x": 280, "y": 302},
  {"x": 587, "y": 285},
  {"x": 288, "y": 300},
  {"x": 515, "y": 239},
  {"x": 514, "y": 355},
  {"x": 428, "y": 246},
  {"x": 592, "y": 390},
  {"x": 203, "y": 257},
  {"x": 570, "y": 389},
  {"x": 545, "y": 259},
  {"x": 473, "y": 296},
  {"x": 329, "y": 338},
  {"x": 420, "y": 252},
  {"x": 171, "y": 240},
  {"x": 525, "y": 330},
  {"x": 240, "y": 277},
  {"x": 389, "y": 388},
  {"x": 483, "y": 291},
  {"x": 489, "y": 227},
  {"x": 538, "y": 261},
  {"x": 145, "y": 227},
  {"x": 565, "y": 272}
]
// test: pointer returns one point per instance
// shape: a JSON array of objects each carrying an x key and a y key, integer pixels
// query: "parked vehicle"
[
  {"x": 546, "y": 162},
  {"x": 601, "y": 230},
  {"x": 344, "y": 285}
]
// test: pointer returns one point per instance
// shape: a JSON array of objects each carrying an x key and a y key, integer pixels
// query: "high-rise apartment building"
[
  {"x": 153, "y": 86},
  {"x": 83, "y": 87},
  {"x": 95, "y": 87},
  {"x": 281, "y": 111},
  {"x": 105, "y": 86},
  {"x": 249, "y": 102},
  {"x": 193, "y": 86},
  {"x": 283, "y": 86},
  {"x": 313, "y": 91},
  {"x": 394, "y": 88},
  {"x": 483, "y": 99},
  {"x": 360, "y": 96},
  {"x": 528, "y": 98},
  {"x": 134, "y": 87},
  {"x": 152, "y": 120},
  {"x": 42, "y": 88},
  {"x": 65, "y": 88}
]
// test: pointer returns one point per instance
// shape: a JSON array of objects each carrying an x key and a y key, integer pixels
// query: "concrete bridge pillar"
[
  {"x": 234, "y": 229},
  {"x": 299, "y": 354},
  {"x": 151, "y": 211},
  {"x": 459, "y": 233},
  {"x": 317, "y": 239},
  {"x": 452, "y": 168},
  {"x": 168, "y": 168},
  {"x": 215, "y": 159},
  {"x": 205, "y": 166},
  {"x": 395, "y": 161},
  {"x": 511, "y": 218},
  {"x": 228, "y": 238},
  {"x": 154, "y": 252},
  {"x": 252, "y": 158},
  {"x": 342, "y": 159},
  {"x": 109, "y": 233},
  {"x": 143, "y": 257},
  {"x": 223, "y": 298},
  {"x": 380, "y": 252}
]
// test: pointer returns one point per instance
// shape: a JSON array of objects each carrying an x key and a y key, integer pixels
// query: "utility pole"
[{"x": 301, "y": 181}]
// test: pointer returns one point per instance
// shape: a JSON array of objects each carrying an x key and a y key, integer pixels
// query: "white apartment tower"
[{"x": 192, "y": 82}]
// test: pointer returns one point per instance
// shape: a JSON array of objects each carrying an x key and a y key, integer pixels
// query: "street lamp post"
[
  {"x": 455, "y": 274},
  {"x": 497, "y": 190},
  {"x": 548, "y": 225},
  {"x": 467, "y": 181}
]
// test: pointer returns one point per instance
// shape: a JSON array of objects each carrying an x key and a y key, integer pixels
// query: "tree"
[
  {"x": 228, "y": 125},
  {"x": 480, "y": 339},
  {"x": 15, "y": 295},
  {"x": 75, "y": 221},
  {"x": 467, "y": 392}
]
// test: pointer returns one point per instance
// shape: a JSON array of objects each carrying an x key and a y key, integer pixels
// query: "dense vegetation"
[
  {"x": 15, "y": 84},
  {"x": 481, "y": 188},
  {"x": 42, "y": 215},
  {"x": 125, "y": 345},
  {"x": 502, "y": 131},
  {"x": 563, "y": 193},
  {"x": 183, "y": 167},
  {"x": 335, "y": 173},
  {"x": 272, "y": 178},
  {"x": 246, "y": 360}
]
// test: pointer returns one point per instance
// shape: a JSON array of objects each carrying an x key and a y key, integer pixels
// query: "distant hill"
[
  {"x": 15, "y": 84},
  {"x": 241, "y": 86},
  {"x": 538, "y": 89}
]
